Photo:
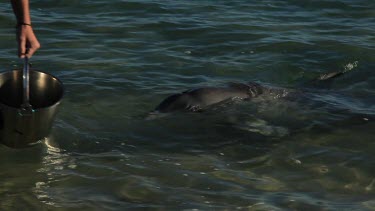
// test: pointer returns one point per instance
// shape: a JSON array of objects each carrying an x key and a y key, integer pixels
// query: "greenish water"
[{"x": 119, "y": 59}]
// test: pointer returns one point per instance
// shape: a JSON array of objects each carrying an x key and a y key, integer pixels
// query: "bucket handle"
[
  {"x": 26, "y": 111},
  {"x": 26, "y": 85}
]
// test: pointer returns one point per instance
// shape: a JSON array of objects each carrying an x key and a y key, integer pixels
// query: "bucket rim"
[{"x": 49, "y": 74}]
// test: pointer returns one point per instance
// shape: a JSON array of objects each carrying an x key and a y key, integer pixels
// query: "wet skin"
[{"x": 200, "y": 98}]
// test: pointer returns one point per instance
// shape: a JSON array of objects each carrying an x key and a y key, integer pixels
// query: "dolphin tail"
[
  {"x": 329, "y": 76},
  {"x": 325, "y": 80}
]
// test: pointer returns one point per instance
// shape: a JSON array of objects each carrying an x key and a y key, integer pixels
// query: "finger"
[
  {"x": 21, "y": 48},
  {"x": 33, "y": 47},
  {"x": 30, "y": 52}
]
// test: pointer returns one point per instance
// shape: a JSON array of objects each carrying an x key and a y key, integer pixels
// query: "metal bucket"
[{"x": 19, "y": 128}]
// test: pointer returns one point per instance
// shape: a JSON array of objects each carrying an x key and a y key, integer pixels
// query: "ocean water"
[{"x": 119, "y": 59}]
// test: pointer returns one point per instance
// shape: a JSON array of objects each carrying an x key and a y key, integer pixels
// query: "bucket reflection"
[{"x": 54, "y": 165}]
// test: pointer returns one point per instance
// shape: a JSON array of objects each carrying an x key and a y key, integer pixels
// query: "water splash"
[
  {"x": 350, "y": 66},
  {"x": 264, "y": 128}
]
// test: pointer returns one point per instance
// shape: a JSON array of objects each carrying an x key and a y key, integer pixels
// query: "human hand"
[{"x": 27, "y": 41}]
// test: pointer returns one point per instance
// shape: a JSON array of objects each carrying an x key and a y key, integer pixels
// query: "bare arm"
[{"x": 27, "y": 41}]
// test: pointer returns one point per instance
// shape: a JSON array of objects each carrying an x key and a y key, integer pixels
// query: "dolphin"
[{"x": 198, "y": 99}]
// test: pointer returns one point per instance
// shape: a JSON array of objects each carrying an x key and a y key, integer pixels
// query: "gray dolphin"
[{"x": 198, "y": 99}]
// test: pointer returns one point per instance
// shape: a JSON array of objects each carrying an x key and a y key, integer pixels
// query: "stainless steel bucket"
[{"x": 19, "y": 128}]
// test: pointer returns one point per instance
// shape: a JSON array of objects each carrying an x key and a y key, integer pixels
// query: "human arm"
[{"x": 27, "y": 41}]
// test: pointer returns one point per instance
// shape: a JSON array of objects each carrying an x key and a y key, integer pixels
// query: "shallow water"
[{"x": 119, "y": 59}]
